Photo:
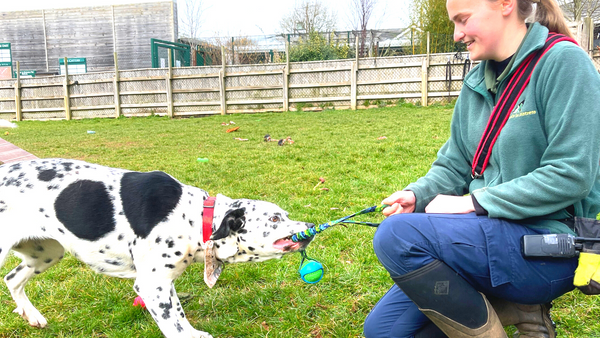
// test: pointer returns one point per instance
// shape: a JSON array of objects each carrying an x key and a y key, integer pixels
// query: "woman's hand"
[
  {"x": 446, "y": 204},
  {"x": 399, "y": 202}
]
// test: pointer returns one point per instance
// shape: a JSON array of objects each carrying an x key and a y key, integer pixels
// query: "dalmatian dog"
[{"x": 142, "y": 225}]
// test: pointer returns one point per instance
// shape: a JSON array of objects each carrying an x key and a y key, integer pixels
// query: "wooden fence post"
[
  {"x": 66, "y": 89},
  {"x": 286, "y": 79},
  {"x": 169, "y": 88},
  {"x": 222, "y": 83},
  {"x": 116, "y": 88},
  {"x": 19, "y": 116},
  {"x": 354, "y": 78},
  {"x": 425, "y": 77}
]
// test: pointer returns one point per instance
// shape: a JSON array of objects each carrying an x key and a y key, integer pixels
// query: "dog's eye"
[{"x": 274, "y": 219}]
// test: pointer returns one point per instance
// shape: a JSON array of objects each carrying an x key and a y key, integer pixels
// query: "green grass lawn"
[{"x": 265, "y": 299}]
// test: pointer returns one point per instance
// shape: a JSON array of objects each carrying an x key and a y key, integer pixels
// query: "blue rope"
[{"x": 311, "y": 232}]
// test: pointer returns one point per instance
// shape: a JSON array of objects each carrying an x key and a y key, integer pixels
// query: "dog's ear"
[
  {"x": 212, "y": 266},
  {"x": 232, "y": 221}
]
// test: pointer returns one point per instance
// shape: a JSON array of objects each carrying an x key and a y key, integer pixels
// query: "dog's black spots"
[
  {"x": 153, "y": 269},
  {"x": 166, "y": 256},
  {"x": 232, "y": 221},
  {"x": 189, "y": 255},
  {"x": 223, "y": 242},
  {"x": 108, "y": 247},
  {"x": 274, "y": 226},
  {"x": 67, "y": 166},
  {"x": 43, "y": 229},
  {"x": 0, "y": 250},
  {"x": 121, "y": 213},
  {"x": 60, "y": 230},
  {"x": 85, "y": 209},
  {"x": 121, "y": 236},
  {"x": 179, "y": 237},
  {"x": 9, "y": 277},
  {"x": 101, "y": 251},
  {"x": 183, "y": 216},
  {"x": 39, "y": 248},
  {"x": 217, "y": 245},
  {"x": 19, "y": 268},
  {"x": 266, "y": 234},
  {"x": 136, "y": 288},
  {"x": 47, "y": 175},
  {"x": 53, "y": 187},
  {"x": 170, "y": 242},
  {"x": 158, "y": 239},
  {"x": 110, "y": 188},
  {"x": 86, "y": 166},
  {"x": 159, "y": 288},
  {"x": 14, "y": 167},
  {"x": 148, "y": 198},
  {"x": 29, "y": 186},
  {"x": 178, "y": 253},
  {"x": 41, "y": 209},
  {"x": 179, "y": 328},
  {"x": 47, "y": 261},
  {"x": 191, "y": 223},
  {"x": 250, "y": 248},
  {"x": 113, "y": 262},
  {"x": 185, "y": 261},
  {"x": 153, "y": 312},
  {"x": 12, "y": 181},
  {"x": 37, "y": 272},
  {"x": 242, "y": 231},
  {"x": 134, "y": 241},
  {"x": 236, "y": 204},
  {"x": 170, "y": 266}
]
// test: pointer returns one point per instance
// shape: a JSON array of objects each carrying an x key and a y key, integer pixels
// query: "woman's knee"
[{"x": 399, "y": 238}]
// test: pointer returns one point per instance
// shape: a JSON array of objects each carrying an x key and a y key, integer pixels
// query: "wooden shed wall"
[{"x": 94, "y": 33}]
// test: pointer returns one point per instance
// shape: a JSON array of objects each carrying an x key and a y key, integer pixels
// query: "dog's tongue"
[{"x": 285, "y": 244}]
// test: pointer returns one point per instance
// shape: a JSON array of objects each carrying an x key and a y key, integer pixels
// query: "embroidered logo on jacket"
[{"x": 518, "y": 113}]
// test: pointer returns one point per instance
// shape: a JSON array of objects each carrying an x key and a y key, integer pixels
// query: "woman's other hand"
[
  {"x": 400, "y": 202},
  {"x": 446, "y": 204}
]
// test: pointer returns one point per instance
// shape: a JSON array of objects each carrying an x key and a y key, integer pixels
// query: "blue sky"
[{"x": 243, "y": 17}]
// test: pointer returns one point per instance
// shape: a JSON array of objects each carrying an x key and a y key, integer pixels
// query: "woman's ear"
[{"x": 507, "y": 7}]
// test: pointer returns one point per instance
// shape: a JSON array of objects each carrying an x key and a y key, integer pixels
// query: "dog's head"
[{"x": 250, "y": 231}]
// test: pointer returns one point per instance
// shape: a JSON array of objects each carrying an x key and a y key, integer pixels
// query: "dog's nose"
[{"x": 310, "y": 225}]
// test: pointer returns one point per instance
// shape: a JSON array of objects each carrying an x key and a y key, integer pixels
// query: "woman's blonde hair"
[{"x": 547, "y": 13}]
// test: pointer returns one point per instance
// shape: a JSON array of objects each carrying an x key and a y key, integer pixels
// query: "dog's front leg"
[{"x": 164, "y": 306}]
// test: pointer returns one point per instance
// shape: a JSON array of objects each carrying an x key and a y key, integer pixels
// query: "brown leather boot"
[{"x": 532, "y": 321}]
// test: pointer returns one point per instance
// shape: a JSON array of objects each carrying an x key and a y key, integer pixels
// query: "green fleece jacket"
[{"x": 547, "y": 156}]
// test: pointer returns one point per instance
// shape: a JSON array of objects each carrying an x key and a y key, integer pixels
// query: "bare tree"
[
  {"x": 308, "y": 16},
  {"x": 191, "y": 23},
  {"x": 576, "y": 10},
  {"x": 361, "y": 12}
]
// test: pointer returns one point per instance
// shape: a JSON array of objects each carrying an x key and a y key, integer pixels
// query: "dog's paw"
[
  {"x": 32, "y": 316},
  {"x": 201, "y": 334}
]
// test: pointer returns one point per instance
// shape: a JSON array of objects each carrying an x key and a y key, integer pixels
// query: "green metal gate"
[{"x": 180, "y": 54}]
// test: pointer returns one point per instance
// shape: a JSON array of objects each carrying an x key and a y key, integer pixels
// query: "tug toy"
[{"x": 310, "y": 270}]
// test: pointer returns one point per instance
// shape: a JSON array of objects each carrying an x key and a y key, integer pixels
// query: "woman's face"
[{"x": 478, "y": 23}]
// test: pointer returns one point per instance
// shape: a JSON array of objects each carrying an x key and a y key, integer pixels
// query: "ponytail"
[{"x": 547, "y": 13}]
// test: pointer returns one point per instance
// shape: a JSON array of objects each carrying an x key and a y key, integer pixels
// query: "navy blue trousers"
[{"x": 486, "y": 252}]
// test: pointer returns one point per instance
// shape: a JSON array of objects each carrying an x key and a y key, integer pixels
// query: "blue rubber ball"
[{"x": 311, "y": 271}]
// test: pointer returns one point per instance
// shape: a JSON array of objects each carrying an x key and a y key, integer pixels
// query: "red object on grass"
[{"x": 139, "y": 302}]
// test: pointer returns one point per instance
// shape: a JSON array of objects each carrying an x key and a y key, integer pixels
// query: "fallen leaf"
[{"x": 232, "y": 129}]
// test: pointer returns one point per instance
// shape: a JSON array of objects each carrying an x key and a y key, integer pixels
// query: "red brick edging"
[{"x": 11, "y": 153}]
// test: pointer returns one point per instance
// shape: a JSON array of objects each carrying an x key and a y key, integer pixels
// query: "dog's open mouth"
[{"x": 287, "y": 245}]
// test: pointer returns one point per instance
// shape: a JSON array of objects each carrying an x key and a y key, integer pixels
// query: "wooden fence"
[{"x": 178, "y": 92}]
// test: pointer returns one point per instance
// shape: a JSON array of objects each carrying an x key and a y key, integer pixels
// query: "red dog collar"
[{"x": 207, "y": 218}]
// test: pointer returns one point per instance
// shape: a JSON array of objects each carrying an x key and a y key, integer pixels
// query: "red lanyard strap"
[{"x": 506, "y": 103}]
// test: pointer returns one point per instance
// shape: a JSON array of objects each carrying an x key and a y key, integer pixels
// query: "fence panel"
[{"x": 247, "y": 88}]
